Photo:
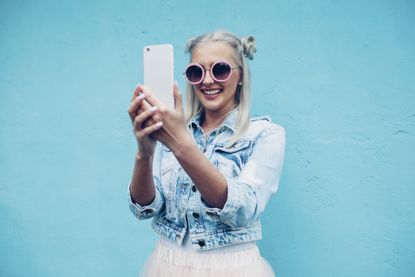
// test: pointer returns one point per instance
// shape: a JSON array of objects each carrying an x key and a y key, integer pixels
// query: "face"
[{"x": 216, "y": 97}]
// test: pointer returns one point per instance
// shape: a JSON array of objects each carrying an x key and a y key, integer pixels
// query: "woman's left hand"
[{"x": 173, "y": 132}]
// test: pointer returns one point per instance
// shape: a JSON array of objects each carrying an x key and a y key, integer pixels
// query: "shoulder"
[
  {"x": 263, "y": 126},
  {"x": 267, "y": 137}
]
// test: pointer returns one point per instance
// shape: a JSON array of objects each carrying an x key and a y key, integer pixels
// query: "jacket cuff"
[
  {"x": 234, "y": 212},
  {"x": 145, "y": 211}
]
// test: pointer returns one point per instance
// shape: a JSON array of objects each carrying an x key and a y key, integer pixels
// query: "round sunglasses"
[{"x": 220, "y": 71}]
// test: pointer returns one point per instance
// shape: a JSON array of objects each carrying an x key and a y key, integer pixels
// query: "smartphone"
[{"x": 158, "y": 72}]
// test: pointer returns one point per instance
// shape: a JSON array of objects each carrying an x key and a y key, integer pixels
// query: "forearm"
[
  {"x": 142, "y": 184},
  {"x": 211, "y": 184}
]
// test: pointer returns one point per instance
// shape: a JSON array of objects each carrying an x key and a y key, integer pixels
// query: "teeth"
[{"x": 210, "y": 92}]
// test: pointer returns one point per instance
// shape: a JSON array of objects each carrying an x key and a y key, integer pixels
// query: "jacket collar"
[{"x": 228, "y": 123}]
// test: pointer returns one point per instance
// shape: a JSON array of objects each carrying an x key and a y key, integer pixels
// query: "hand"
[
  {"x": 141, "y": 117},
  {"x": 174, "y": 131}
]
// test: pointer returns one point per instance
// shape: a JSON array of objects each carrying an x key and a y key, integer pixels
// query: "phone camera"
[{"x": 148, "y": 49}]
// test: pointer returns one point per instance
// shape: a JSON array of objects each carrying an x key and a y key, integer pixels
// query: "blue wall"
[{"x": 338, "y": 75}]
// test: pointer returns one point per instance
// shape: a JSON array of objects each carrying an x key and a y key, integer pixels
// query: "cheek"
[
  {"x": 232, "y": 86},
  {"x": 197, "y": 93},
  {"x": 233, "y": 82}
]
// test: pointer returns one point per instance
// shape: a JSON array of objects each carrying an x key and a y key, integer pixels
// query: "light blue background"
[{"x": 338, "y": 75}]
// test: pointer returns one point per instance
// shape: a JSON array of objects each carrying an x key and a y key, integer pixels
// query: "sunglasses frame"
[{"x": 211, "y": 74}]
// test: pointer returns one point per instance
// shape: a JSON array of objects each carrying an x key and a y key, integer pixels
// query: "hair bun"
[{"x": 249, "y": 48}]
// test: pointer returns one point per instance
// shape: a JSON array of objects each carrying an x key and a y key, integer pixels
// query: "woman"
[{"x": 206, "y": 179}]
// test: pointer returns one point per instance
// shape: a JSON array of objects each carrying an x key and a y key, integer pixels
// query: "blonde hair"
[{"x": 243, "y": 48}]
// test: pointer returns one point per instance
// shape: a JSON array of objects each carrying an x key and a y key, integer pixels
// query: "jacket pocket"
[{"x": 230, "y": 160}]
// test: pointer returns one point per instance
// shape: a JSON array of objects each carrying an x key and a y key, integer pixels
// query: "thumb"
[{"x": 178, "y": 105}]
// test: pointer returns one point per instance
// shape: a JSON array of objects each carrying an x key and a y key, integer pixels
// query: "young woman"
[{"x": 206, "y": 178}]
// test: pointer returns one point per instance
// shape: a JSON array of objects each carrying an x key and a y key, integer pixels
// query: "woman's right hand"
[{"x": 143, "y": 125}]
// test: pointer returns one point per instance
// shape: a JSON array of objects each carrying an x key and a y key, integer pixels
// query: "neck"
[{"x": 213, "y": 120}]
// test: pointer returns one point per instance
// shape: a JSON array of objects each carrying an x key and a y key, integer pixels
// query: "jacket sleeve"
[
  {"x": 150, "y": 210},
  {"x": 259, "y": 179}
]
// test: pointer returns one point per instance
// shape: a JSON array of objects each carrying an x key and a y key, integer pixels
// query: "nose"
[{"x": 207, "y": 79}]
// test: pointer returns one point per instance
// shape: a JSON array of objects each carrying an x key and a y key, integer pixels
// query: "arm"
[
  {"x": 174, "y": 134},
  {"x": 211, "y": 184},
  {"x": 259, "y": 179},
  {"x": 146, "y": 184},
  {"x": 142, "y": 188},
  {"x": 142, "y": 185}
]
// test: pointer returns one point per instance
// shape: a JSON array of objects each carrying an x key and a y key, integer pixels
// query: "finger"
[
  {"x": 138, "y": 90},
  {"x": 134, "y": 106},
  {"x": 140, "y": 119},
  {"x": 178, "y": 104},
  {"x": 149, "y": 130},
  {"x": 145, "y": 105},
  {"x": 151, "y": 99}
]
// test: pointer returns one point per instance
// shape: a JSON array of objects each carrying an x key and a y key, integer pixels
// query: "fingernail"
[
  {"x": 153, "y": 109},
  {"x": 159, "y": 124},
  {"x": 138, "y": 84},
  {"x": 176, "y": 83},
  {"x": 141, "y": 96}
]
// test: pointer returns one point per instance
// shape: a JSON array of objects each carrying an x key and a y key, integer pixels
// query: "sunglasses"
[{"x": 220, "y": 71}]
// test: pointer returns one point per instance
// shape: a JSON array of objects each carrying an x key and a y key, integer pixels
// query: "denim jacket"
[{"x": 252, "y": 167}]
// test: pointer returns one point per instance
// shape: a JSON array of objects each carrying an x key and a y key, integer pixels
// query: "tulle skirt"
[{"x": 172, "y": 262}]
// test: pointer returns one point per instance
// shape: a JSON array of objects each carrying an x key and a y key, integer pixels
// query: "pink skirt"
[{"x": 172, "y": 262}]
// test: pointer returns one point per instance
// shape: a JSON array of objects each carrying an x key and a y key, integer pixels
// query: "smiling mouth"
[{"x": 212, "y": 91}]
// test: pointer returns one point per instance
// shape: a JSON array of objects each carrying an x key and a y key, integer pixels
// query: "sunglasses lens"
[
  {"x": 194, "y": 73},
  {"x": 221, "y": 71}
]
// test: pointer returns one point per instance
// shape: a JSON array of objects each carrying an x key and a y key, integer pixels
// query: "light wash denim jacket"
[{"x": 252, "y": 168}]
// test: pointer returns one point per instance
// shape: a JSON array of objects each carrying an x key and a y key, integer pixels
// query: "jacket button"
[
  {"x": 194, "y": 189},
  {"x": 202, "y": 243},
  {"x": 196, "y": 215}
]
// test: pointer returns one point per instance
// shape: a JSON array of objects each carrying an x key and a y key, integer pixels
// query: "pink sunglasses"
[{"x": 220, "y": 71}]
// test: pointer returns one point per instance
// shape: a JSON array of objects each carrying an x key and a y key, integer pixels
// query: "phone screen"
[{"x": 158, "y": 72}]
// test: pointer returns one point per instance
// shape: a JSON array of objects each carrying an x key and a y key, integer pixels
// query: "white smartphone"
[{"x": 158, "y": 72}]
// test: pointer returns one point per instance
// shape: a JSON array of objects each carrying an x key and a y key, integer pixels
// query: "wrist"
[
  {"x": 143, "y": 157},
  {"x": 183, "y": 146}
]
